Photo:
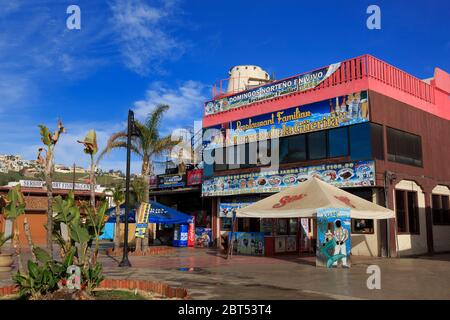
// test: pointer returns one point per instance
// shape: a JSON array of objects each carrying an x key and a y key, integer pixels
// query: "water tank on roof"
[{"x": 245, "y": 77}]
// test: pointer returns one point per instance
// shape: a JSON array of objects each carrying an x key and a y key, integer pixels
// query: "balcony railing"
[{"x": 362, "y": 67}]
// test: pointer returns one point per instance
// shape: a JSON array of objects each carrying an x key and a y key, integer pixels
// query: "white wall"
[
  {"x": 367, "y": 244},
  {"x": 441, "y": 234},
  {"x": 412, "y": 244}
]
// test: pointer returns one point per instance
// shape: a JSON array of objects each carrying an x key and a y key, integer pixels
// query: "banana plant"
[
  {"x": 96, "y": 222},
  {"x": 3, "y": 240},
  {"x": 49, "y": 140},
  {"x": 14, "y": 207}
]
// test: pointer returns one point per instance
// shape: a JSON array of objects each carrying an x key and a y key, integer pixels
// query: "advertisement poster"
[
  {"x": 194, "y": 177},
  {"x": 280, "y": 244},
  {"x": 226, "y": 210},
  {"x": 333, "y": 237},
  {"x": 203, "y": 237},
  {"x": 275, "y": 89},
  {"x": 266, "y": 226},
  {"x": 153, "y": 182},
  {"x": 248, "y": 243},
  {"x": 291, "y": 243},
  {"x": 327, "y": 114},
  {"x": 349, "y": 174},
  {"x": 171, "y": 180},
  {"x": 304, "y": 235},
  {"x": 143, "y": 214},
  {"x": 191, "y": 233}
]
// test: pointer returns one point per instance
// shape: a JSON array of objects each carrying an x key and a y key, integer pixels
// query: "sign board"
[
  {"x": 171, "y": 180},
  {"x": 349, "y": 174},
  {"x": 333, "y": 237},
  {"x": 226, "y": 210},
  {"x": 194, "y": 177},
  {"x": 56, "y": 185},
  {"x": 322, "y": 115},
  {"x": 275, "y": 89},
  {"x": 143, "y": 214}
]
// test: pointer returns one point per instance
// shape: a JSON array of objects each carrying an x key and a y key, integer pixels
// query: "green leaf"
[
  {"x": 45, "y": 135},
  {"x": 41, "y": 255},
  {"x": 68, "y": 260},
  {"x": 79, "y": 234},
  {"x": 90, "y": 143},
  {"x": 33, "y": 269}
]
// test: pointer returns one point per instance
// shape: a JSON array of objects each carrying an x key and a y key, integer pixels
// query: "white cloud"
[
  {"x": 185, "y": 101},
  {"x": 142, "y": 34}
]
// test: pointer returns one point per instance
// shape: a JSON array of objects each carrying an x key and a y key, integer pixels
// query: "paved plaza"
[{"x": 207, "y": 274}]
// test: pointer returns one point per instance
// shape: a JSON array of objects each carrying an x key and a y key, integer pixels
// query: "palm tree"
[
  {"x": 118, "y": 196},
  {"x": 147, "y": 145}
]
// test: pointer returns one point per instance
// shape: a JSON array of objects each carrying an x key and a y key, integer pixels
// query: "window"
[
  {"x": 441, "y": 209},
  {"x": 362, "y": 226},
  {"x": 404, "y": 147},
  {"x": 282, "y": 227},
  {"x": 220, "y": 163},
  {"x": 377, "y": 141},
  {"x": 226, "y": 224},
  {"x": 293, "y": 149},
  {"x": 360, "y": 142},
  {"x": 317, "y": 145},
  {"x": 407, "y": 212},
  {"x": 293, "y": 226},
  {"x": 338, "y": 142}
]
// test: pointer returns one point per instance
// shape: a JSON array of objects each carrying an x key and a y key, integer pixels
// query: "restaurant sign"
[
  {"x": 327, "y": 114},
  {"x": 342, "y": 175},
  {"x": 171, "y": 180},
  {"x": 275, "y": 89}
]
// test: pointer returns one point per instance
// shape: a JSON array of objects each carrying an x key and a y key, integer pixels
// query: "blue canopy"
[
  {"x": 111, "y": 212},
  {"x": 158, "y": 214},
  {"x": 162, "y": 214}
]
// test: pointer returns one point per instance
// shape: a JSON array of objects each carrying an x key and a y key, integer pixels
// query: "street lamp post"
[{"x": 130, "y": 131}]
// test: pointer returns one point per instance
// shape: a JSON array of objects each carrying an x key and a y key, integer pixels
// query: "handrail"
[{"x": 365, "y": 66}]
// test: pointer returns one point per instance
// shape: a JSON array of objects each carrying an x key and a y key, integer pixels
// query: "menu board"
[{"x": 342, "y": 175}]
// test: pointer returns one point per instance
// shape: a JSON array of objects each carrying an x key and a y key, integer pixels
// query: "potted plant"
[{"x": 6, "y": 259}]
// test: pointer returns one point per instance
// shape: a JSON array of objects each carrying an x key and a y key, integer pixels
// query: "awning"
[
  {"x": 304, "y": 199},
  {"x": 162, "y": 214},
  {"x": 158, "y": 214}
]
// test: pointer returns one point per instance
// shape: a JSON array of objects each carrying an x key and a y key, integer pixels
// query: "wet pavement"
[{"x": 209, "y": 275}]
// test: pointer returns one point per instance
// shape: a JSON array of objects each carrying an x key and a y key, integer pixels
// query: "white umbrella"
[{"x": 303, "y": 200}]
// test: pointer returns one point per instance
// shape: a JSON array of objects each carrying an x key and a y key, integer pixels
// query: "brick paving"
[{"x": 207, "y": 274}]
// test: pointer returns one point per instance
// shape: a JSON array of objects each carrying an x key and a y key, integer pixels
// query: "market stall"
[
  {"x": 154, "y": 212},
  {"x": 331, "y": 207}
]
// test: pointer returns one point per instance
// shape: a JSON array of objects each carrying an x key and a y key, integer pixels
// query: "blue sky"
[{"x": 136, "y": 54}]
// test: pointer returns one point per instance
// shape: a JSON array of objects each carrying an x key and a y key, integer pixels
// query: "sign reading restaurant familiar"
[
  {"x": 275, "y": 89},
  {"x": 342, "y": 175},
  {"x": 56, "y": 185},
  {"x": 326, "y": 114}
]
